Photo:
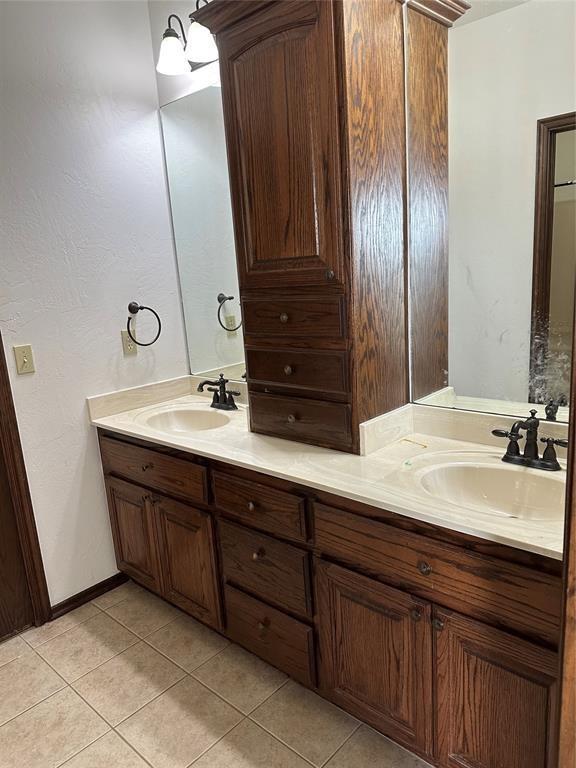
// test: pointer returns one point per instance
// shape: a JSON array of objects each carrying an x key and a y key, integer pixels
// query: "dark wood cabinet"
[
  {"x": 496, "y": 697},
  {"x": 281, "y": 113},
  {"x": 133, "y": 531},
  {"x": 376, "y": 654},
  {"x": 441, "y": 642},
  {"x": 187, "y": 557}
]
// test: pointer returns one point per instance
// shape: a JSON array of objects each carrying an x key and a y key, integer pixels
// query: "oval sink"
[
  {"x": 185, "y": 420},
  {"x": 510, "y": 491}
]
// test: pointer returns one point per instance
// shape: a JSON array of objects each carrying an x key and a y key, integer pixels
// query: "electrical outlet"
[
  {"x": 24, "y": 359},
  {"x": 128, "y": 345}
]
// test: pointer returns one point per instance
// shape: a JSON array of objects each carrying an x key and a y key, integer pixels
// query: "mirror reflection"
[
  {"x": 512, "y": 208},
  {"x": 196, "y": 164}
]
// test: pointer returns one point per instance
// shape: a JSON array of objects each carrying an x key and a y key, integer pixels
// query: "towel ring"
[
  {"x": 133, "y": 309},
  {"x": 222, "y": 299}
]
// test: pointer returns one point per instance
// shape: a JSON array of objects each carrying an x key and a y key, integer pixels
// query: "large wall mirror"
[
  {"x": 196, "y": 164},
  {"x": 511, "y": 232}
]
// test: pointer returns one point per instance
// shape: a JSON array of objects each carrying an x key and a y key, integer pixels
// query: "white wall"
[
  {"x": 85, "y": 229},
  {"x": 197, "y": 168},
  {"x": 505, "y": 72}
]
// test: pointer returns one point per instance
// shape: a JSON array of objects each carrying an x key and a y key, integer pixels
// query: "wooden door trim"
[
  {"x": 547, "y": 129},
  {"x": 11, "y": 450},
  {"x": 567, "y": 672}
]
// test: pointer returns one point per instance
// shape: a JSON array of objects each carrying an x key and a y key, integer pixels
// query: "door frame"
[
  {"x": 11, "y": 451},
  {"x": 547, "y": 130}
]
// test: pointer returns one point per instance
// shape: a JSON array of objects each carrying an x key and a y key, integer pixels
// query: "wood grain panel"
[
  {"x": 373, "y": 71},
  {"x": 501, "y": 593},
  {"x": 188, "y": 560},
  {"x": 304, "y": 420},
  {"x": 310, "y": 317},
  {"x": 427, "y": 91},
  {"x": 277, "y": 638},
  {"x": 133, "y": 532},
  {"x": 281, "y": 119},
  {"x": 296, "y": 369},
  {"x": 154, "y": 469},
  {"x": 277, "y": 572},
  {"x": 376, "y": 654},
  {"x": 496, "y": 698},
  {"x": 261, "y": 506}
]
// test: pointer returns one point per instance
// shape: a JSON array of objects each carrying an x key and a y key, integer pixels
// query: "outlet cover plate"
[
  {"x": 24, "y": 359},
  {"x": 128, "y": 345}
]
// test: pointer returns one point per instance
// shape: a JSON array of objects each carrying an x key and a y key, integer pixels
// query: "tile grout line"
[
  {"x": 64, "y": 631},
  {"x": 332, "y": 756}
]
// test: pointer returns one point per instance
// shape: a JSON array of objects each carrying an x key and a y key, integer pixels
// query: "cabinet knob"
[
  {"x": 146, "y": 467},
  {"x": 330, "y": 274},
  {"x": 288, "y": 370},
  {"x": 424, "y": 568},
  {"x": 283, "y": 317},
  {"x": 415, "y": 614},
  {"x": 263, "y": 626},
  {"x": 259, "y": 554},
  {"x": 438, "y": 624},
  {"x": 291, "y": 419},
  {"x": 251, "y": 506}
]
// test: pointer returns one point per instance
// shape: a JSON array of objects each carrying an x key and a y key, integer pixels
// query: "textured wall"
[
  {"x": 506, "y": 72},
  {"x": 85, "y": 228}
]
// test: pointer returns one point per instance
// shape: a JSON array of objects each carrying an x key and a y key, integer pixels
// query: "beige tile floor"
[{"x": 128, "y": 681}]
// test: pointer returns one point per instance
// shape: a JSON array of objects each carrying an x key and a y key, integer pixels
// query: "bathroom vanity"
[{"x": 446, "y": 642}]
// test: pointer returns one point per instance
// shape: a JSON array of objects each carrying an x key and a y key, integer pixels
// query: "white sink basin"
[
  {"x": 526, "y": 494},
  {"x": 184, "y": 420}
]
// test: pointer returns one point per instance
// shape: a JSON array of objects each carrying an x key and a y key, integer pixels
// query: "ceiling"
[{"x": 482, "y": 8}]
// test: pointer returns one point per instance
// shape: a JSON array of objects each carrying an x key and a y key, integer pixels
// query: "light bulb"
[
  {"x": 171, "y": 59},
  {"x": 201, "y": 46}
]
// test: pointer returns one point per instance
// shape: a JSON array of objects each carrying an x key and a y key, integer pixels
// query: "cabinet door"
[
  {"x": 188, "y": 559},
  {"x": 496, "y": 697},
  {"x": 281, "y": 108},
  {"x": 376, "y": 654},
  {"x": 131, "y": 515}
]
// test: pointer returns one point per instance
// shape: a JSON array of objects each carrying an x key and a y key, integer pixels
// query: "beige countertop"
[{"x": 388, "y": 478}]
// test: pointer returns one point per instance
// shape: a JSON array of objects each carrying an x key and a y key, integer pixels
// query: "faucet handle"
[
  {"x": 554, "y": 441},
  {"x": 514, "y": 436}
]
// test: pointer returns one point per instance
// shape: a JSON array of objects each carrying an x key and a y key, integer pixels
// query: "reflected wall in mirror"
[
  {"x": 511, "y": 67},
  {"x": 196, "y": 164}
]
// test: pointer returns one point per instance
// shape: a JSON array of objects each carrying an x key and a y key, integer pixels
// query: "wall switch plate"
[
  {"x": 24, "y": 359},
  {"x": 128, "y": 345}
]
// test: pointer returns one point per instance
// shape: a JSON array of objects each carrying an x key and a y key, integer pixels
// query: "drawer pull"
[
  {"x": 146, "y": 467},
  {"x": 288, "y": 370},
  {"x": 330, "y": 274},
  {"x": 291, "y": 419},
  {"x": 251, "y": 506},
  {"x": 263, "y": 626},
  {"x": 424, "y": 568},
  {"x": 438, "y": 624},
  {"x": 283, "y": 317},
  {"x": 259, "y": 554},
  {"x": 415, "y": 614}
]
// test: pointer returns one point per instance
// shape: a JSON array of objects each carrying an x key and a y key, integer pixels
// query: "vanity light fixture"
[{"x": 180, "y": 56}]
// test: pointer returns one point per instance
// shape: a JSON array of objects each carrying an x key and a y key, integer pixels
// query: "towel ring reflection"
[
  {"x": 133, "y": 309},
  {"x": 222, "y": 299}
]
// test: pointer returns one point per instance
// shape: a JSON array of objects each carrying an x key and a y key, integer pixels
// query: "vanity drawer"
[
  {"x": 154, "y": 470},
  {"x": 322, "y": 371},
  {"x": 492, "y": 590},
  {"x": 263, "y": 507},
  {"x": 277, "y": 638},
  {"x": 314, "y": 421},
  {"x": 269, "y": 568},
  {"x": 317, "y": 317}
]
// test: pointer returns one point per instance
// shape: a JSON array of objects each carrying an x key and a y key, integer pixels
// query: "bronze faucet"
[
  {"x": 223, "y": 399},
  {"x": 530, "y": 457}
]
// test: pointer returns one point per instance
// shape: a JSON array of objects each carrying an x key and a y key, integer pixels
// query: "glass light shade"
[
  {"x": 171, "y": 59},
  {"x": 207, "y": 76},
  {"x": 201, "y": 46}
]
